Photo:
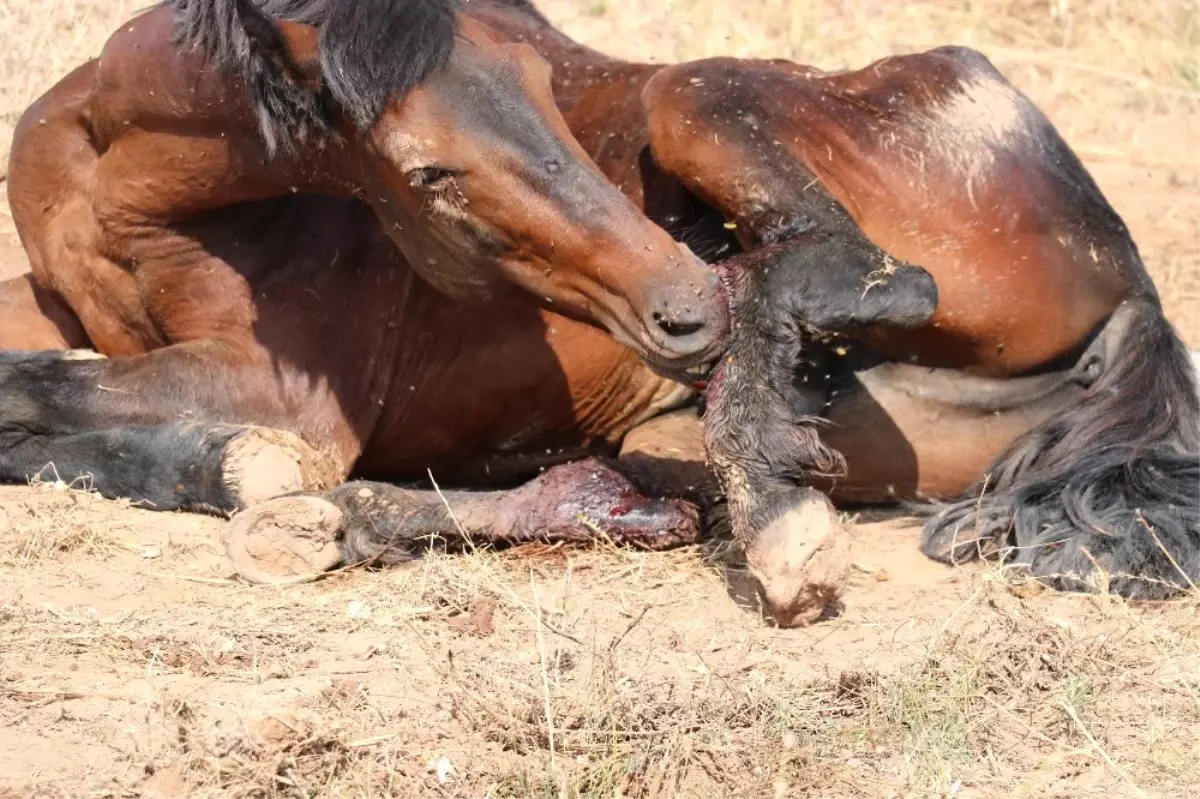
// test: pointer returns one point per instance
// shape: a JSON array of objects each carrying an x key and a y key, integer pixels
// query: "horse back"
[{"x": 953, "y": 168}]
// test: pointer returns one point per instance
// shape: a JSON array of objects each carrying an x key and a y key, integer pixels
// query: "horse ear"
[
  {"x": 291, "y": 48},
  {"x": 302, "y": 45}
]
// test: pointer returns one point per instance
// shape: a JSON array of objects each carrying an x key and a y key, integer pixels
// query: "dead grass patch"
[{"x": 35, "y": 532}]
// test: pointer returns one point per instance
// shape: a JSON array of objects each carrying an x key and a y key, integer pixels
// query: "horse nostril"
[{"x": 676, "y": 328}]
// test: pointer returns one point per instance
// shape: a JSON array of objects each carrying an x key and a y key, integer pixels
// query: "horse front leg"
[
  {"x": 298, "y": 537},
  {"x": 762, "y": 442},
  {"x": 196, "y": 466},
  {"x": 185, "y": 427},
  {"x": 769, "y": 394}
]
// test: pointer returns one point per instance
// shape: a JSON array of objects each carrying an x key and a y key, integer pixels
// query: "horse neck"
[
  {"x": 599, "y": 96},
  {"x": 154, "y": 110}
]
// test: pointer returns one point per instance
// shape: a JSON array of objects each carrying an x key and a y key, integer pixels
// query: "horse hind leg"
[
  {"x": 212, "y": 468},
  {"x": 295, "y": 538}
]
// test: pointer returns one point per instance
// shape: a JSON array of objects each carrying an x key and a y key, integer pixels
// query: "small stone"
[{"x": 442, "y": 768}]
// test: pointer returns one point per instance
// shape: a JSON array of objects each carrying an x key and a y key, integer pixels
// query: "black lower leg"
[{"x": 178, "y": 466}]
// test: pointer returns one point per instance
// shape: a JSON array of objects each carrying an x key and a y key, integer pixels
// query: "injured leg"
[{"x": 297, "y": 537}]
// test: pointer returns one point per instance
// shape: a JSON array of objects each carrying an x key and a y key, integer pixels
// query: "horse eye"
[{"x": 431, "y": 178}]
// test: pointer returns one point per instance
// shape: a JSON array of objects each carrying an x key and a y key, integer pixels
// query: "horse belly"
[
  {"x": 899, "y": 445},
  {"x": 495, "y": 394}
]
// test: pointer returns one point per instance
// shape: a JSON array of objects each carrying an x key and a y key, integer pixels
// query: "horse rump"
[{"x": 1104, "y": 495}]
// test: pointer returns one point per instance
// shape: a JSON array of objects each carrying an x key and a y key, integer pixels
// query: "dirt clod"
[{"x": 478, "y": 620}]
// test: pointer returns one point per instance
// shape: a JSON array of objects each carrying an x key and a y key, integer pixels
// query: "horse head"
[{"x": 456, "y": 143}]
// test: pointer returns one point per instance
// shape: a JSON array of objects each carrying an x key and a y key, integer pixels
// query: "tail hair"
[{"x": 1104, "y": 493}]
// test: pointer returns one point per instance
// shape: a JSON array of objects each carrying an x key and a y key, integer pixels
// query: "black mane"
[{"x": 371, "y": 51}]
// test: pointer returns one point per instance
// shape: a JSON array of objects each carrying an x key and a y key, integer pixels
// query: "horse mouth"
[{"x": 695, "y": 376}]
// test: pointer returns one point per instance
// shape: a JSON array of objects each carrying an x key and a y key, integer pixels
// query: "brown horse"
[
  {"x": 208, "y": 263},
  {"x": 255, "y": 214},
  {"x": 1048, "y": 395},
  {"x": 602, "y": 100}
]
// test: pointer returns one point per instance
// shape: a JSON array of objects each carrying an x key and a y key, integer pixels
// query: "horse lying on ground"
[
  {"x": 236, "y": 300},
  {"x": 1048, "y": 396},
  {"x": 603, "y": 103}
]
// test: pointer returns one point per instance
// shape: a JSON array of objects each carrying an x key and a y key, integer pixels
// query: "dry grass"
[
  {"x": 549, "y": 672},
  {"x": 83, "y": 526},
  {"x": 132, "y": 665}
]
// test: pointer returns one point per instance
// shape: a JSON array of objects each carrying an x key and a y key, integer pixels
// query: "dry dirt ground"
[{"x": 131, "y": 663}]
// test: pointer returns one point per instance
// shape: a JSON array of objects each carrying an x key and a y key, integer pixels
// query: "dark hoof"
[{"x": 287, "y": 540}]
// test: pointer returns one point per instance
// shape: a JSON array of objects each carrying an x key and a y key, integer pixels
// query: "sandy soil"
[{"x": 134, "y": 665}]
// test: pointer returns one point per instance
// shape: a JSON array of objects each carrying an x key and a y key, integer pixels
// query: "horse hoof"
[
  {"x": 288, "y": 540},
  {"x": 801, "y": 561},
  {"x": 260, "y": 463}
]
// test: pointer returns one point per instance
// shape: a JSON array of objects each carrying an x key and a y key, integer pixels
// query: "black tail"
[{"x": 1113, "y": 482}]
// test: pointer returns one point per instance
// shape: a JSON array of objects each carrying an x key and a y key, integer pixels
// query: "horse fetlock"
[
  {"x": 260, "y": 463},
  {"x": 286, "y": 540},
  {"x": 800, "y": 559}
]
